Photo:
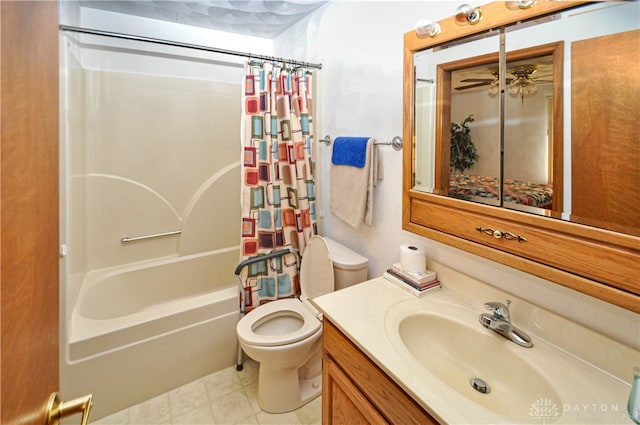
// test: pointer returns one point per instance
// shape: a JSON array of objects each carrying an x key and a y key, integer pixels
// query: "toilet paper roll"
[{"x": 413, "y": 258}]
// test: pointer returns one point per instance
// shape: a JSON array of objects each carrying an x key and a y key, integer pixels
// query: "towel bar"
[
  {"x": 326, "y": 140},
  {"x": 395, "y": 143}
]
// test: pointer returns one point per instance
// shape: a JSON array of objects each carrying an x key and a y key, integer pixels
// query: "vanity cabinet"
[{"x": 356, "y": 391}]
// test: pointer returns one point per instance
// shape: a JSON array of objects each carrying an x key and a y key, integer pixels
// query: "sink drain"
[{"x": 480, "y": 386}]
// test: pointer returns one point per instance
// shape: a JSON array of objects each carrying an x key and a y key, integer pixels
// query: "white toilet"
[{"x": 284, "y": 336}]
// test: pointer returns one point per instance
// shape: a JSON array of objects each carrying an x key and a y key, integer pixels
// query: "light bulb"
[
  {"x": 427, "y": 28},
  {"x": 529, "y": 88},
  {"x": 520, "y": 4},
  {"x": 465, "y": 13},
  {"x": 462, "y": 12}
]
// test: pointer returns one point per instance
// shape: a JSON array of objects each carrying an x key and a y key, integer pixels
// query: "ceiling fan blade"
[
  {"x": 477, "y": 80},
  {"x": 473, "y": 85}
]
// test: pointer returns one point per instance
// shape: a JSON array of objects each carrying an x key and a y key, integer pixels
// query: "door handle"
[{"x": 58, "y": 409}]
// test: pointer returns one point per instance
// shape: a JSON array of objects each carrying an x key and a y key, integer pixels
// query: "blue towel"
[{"x": 350, "y": 151}]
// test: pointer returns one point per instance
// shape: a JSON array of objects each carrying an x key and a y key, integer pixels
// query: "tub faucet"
[{"x": 500, "y": 322}]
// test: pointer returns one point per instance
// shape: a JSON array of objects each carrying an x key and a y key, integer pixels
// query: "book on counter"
[
  {"x": 416, "y": 277},
  {"x": 410, "y": 288},
  {"x": 407, "y": 278}
]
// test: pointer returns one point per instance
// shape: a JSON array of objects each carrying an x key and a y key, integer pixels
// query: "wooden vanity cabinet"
[{"x": 355, "y": 391}]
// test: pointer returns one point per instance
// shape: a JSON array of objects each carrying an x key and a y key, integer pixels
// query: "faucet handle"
[{"x": 500, "y": 310}]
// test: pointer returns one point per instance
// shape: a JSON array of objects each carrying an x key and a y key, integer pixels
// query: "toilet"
[{"x": 284, "y": 336}]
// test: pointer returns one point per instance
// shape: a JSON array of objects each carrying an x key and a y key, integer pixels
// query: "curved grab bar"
[
  {"x": 242, "y": 265},
  {"x": 260, "y": 258}
]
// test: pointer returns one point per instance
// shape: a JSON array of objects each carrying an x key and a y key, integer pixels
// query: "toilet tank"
[{"x": 349, "y": 267}]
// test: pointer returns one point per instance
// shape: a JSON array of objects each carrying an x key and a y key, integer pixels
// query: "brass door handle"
[{"x": 58, "y": 409}]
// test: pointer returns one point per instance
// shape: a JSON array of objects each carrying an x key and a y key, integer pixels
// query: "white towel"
[{"x": 352, "y": 189}]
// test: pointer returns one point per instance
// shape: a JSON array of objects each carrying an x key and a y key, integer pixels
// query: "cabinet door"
[
  {"x": 602, "y": 173},
  {"x": 343, "y": 403},
  {"x": 371, "y": 392}
]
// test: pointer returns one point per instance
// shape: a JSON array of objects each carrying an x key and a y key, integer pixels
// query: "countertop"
[{"x": 361, "y": 313}]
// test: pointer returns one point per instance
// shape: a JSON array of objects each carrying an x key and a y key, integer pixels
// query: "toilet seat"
[
  {"x": 316, "y": 278},
  {"x": 285, "y": 335},
  {"x": 248, "y": 327}
]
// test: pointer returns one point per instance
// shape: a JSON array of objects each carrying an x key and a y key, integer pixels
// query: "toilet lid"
[
  {"x": 343, "y": 257},
  {"x": 316, "y": 270},
  {"x": 251, "y": 331}
]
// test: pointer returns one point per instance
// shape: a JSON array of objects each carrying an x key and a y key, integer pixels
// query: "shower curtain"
[{"x": 278, "y": 188}]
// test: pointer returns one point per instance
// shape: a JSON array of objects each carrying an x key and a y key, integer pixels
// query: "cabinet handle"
[
  {"x": 58, "y": 409},
  {"x": 499, "y": 234}
]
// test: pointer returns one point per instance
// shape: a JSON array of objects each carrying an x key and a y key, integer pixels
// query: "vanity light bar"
[{"x": 465, "y": 13}]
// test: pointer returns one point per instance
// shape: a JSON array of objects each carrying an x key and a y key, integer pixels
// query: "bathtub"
[{"x": 141, "y": 330}]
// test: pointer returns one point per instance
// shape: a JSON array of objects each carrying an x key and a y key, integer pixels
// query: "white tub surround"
[
  {"x": 149, "y": 145},
  {"x": 590, "y": 373}
]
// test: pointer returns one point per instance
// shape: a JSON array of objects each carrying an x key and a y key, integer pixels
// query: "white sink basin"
[
  {"x": 456, "y": 353},
  {"x": 441, "y": 346}
]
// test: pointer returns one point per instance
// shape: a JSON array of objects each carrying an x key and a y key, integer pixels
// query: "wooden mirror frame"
[{"x": 598, "y": 262}]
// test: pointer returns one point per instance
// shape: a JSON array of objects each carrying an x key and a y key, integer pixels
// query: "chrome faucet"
[{"x": 500, "y": 322}]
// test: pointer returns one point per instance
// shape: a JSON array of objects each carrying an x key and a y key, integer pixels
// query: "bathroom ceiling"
[{"x": 259, "y": 18}]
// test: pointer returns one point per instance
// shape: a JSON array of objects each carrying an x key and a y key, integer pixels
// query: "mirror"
[
  {"x": 552, "y": 144},
  {"x": 519, "y": 172}
]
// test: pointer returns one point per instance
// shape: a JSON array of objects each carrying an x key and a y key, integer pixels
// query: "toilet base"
[{"x": 283, "y": 390}]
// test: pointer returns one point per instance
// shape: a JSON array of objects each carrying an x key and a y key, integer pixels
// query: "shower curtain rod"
[{"x": 187, "y": 45}]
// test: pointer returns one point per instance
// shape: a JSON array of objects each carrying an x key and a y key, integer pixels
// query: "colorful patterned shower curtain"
[{"x": 278, "y": 188}]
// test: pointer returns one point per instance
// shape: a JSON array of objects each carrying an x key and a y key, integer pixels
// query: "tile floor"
[{"x": 224, "y": 397}]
